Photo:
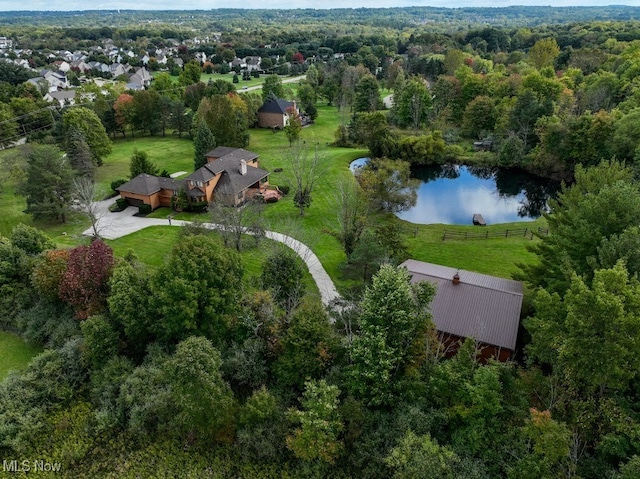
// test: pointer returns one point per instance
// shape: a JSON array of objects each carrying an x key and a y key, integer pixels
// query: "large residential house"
[
  {"x": 276, "y": 113},
  {"x": 472, "y": 305},
  {"x": 231, "y": 175}
]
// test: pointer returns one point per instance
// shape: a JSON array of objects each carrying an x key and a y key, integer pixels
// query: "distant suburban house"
[
  {"x": 253, "y": 63},
  {"x": 231, "y": 175},
  {"x": 472, "y": 305},
  {"x": 276, "y": 113},
  {"x": 5, "y": 43},
  {"x": 56, "y": 80},
  {"x": 63, "y": 97}
]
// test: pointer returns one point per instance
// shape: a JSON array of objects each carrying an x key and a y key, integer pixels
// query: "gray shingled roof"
[
  {"x": 228, "y": 161},
  {"x": 145, "y": 184},
  {"x": 142, "y": 184},
  {"x": 483, "y": 307},
  {"x": 206, "y": 172},
  {"x": 219, "y": 151},
  {"x": 233, "y": 182},
  {"x": 276, "y": 106}
]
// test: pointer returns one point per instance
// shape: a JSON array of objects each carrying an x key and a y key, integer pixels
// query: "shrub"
[
  {"x": 198, "y": 207},
  {"x": 285, "y": 189},
  {"x": 122, "y": 203},
  {"x": 144, "y": 209},
  {"x": 116, "y": 183}
]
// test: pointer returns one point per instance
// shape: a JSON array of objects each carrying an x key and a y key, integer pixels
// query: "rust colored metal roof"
[{"x": 483, "y": 307}]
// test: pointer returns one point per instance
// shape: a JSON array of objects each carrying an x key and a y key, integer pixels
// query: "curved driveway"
[{"x": 116, "y": 225}]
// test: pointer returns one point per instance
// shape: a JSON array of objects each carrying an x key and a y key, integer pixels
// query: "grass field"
[
  {"x": 15, "y": 354},
  {"x": 153, "y": 244},
  {"x": 170, "y": 152}
]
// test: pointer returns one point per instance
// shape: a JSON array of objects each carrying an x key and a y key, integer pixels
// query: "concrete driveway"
[{"x": 115, "y": 225}]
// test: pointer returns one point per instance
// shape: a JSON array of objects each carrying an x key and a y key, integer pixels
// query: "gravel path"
[{"x": 116, "y": 225}]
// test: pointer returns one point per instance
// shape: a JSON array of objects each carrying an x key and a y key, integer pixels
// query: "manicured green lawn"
[
  {"x": 12, "y": 213},
  {"x": 228, "y": 77},
  {"x": 170, "y": 152},
  {"x": 15, "y": 354},
  {"x": 152, "y": 247},
  {"x": 497, "y": 256}
]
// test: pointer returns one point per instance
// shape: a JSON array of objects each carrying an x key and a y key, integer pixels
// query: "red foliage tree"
[
  {"x": 84, "y": 283},
  {"x": 298, "y": 57},
  {"x": 123, "y": 108}
]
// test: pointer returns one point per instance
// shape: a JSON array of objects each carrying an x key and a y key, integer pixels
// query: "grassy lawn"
[
  {"x": 152, "y": 246},
  {"x": 15, "y": 354},
  {"x": 12, "y": 213},
  {"x": 497, "y": 256},
  {"x": 171, "y": 153},
  {"x": 228, "y": 77}
]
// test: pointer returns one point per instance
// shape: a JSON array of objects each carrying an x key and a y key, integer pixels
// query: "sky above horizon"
[{"x": 74, "y": 5}]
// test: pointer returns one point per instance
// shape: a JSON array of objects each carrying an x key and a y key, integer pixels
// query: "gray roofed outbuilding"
[
  {"x": 276, "y": 106},
  {"x": 483, "y": 307}
]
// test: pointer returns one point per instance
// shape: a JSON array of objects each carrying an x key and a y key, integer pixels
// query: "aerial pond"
[{"x": 452, "y": 194}]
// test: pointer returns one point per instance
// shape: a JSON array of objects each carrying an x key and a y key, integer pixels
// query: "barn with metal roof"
[{"x": 472, "y": 305}]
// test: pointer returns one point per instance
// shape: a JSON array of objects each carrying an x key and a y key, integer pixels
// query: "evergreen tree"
[{"x": 203, "y": 142}]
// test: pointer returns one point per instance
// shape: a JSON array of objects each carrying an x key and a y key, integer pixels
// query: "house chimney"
[
  {"x": 456, "y": 279},
  {"x": 243, "y": 167}
]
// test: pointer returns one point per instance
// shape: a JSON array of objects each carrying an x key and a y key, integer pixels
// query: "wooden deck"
[{"x": 478, "y": 220}]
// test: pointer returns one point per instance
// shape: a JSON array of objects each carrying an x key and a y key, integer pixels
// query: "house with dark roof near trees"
[
  {"x": 231, "y": 175},
  {"x": 275, "y": 113},
  {"x": 472, "y": 305}
]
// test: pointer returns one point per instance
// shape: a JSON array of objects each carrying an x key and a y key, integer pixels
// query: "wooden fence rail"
[{"x": 528, "y": 233}]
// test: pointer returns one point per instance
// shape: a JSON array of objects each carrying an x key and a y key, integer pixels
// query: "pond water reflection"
[{"x": 452, "y": 194}]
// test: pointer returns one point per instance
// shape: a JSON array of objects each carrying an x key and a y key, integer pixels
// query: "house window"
[{"x": 199, "y": 183}]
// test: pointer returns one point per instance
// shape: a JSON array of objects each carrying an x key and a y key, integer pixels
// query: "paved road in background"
[{"x": 259, "y": 87}]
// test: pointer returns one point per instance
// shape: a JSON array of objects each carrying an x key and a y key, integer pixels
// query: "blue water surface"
[{"x": 452, "y": 194}]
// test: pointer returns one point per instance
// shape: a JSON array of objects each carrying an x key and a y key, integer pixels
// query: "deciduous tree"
[
  {"x": 305, "y": 169},
  {"x": 86, "y": 121},
  {"x": 84, "y": 284},
  {"x": 272, "y": 86},
  {"x": 388, "y": 185},
  {"x": 319, "y": 424},
  {"x": 197, "y": 290},
  {"x": 392, "y": 339}
]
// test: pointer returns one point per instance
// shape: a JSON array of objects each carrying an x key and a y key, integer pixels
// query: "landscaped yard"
[
  {"x": 15, "y": 354},
  {"x": 228, "y": 77},
  {"x": 169, "y": 152},
  {"x": 152, "y": 245},
  {"x": 496, "y": 256}
]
